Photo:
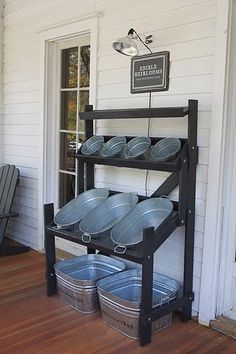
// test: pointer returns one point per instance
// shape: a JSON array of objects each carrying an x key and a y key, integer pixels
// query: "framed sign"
[{"x": 150, "y": 72}]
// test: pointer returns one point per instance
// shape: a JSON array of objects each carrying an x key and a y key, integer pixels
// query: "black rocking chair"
[{"x": 9, "y": 176}]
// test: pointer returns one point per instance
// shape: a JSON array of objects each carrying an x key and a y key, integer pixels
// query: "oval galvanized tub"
[
  {"x": 79, "y": 207},
  {"x": 106, "y": 215},
  {"x": 149, "y": 213}
]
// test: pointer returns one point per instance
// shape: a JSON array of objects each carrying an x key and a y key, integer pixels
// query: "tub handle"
[
  {"x": 57, "y": 227},
  {"x": 164, "y": 300},
  {"x": 120, "y": 249},
  {"x": 86, "y": 238}
]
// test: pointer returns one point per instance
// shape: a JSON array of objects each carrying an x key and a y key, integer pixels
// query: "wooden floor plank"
[
  {"x": 225, "y": 325},
  {"x": 30, "y": 322}
]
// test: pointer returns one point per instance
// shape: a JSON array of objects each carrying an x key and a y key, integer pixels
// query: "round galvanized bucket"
[
  {"x": 137, "y": 147},
  {"x": 92, "y": 145},
  {"x": 166, "y": 149},
  {"x": 113, "y": 147}
]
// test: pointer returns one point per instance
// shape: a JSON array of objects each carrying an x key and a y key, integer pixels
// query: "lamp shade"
[{"x": 126, "y": 45}]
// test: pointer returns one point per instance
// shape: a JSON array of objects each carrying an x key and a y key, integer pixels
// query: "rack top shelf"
[
  {"x": 168, "y": 166},
  {"x": 143, "y": 164},
  {"x": 162, "y": 112}
]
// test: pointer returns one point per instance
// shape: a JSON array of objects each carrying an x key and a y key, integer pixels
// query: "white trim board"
[
  {"x": 1, "y": 84},
  {"x": 227, "y": 274},
  {"x": 214, "y": 210},
  {"x": 63, "y": 31}
]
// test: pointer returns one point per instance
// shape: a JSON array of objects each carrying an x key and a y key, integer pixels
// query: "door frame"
[
  {"x": 228, "y": 227},
  {"x": 48, "y": 38},
  {"x": 212, "y": 277}
]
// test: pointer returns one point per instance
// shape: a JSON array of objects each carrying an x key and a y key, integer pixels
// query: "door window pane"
[
  {"x": 81, "y": 126},
  {"x": 69, "y": 77},
  {"x": 67, "y": 151},
  {"x": 68, "y": 110},
  {"x": 83, "y": 100},
  {"x": 81, "y": 140},
  {"x": 74, "y": 95},
  {"x": 66, "y": 188},
  {"x": 84, "y": 66}
]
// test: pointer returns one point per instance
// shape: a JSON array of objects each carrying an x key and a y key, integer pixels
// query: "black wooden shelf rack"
[{"x": 182, "y": 172}]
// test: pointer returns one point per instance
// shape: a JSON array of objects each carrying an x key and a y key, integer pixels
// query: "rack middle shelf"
[{"x": 105, "y": 245}]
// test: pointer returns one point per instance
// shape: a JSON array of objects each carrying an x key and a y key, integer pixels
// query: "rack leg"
[
  {"x": 91, "y": 251},
  {"x": 80, "y": 186},
  {"x": 145, "y": 328},
  {"x": 190, "y": 215},
  {"x": 50, "y": 252},
  {"x": 187, "y": 312},
  {"x": 50, "y": 261},
  {"x": 189, "y": 250}
]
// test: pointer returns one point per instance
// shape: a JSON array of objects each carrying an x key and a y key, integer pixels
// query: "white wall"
[
  {"x": 184, "y": 27},
  {"x": 23, "y": 21},
  {"x": 187, "y": 30},
  {"x": 1, "y": 118}
]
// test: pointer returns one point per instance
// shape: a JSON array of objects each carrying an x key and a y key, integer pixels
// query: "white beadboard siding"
[
  {"x": 134, "y": 10},
  {"x": 184, "y": 27},
  {"x": 21, "y": 62},
  {"x": 1, "y": 87},
  {"x": 22, "y": 119},
  {"x": 188, "y": 31}
]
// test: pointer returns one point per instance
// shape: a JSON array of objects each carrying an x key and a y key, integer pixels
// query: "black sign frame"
[{"x": 157, "y": 74}]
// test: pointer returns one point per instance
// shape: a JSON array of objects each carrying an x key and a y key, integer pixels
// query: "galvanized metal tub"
[
  {"x": 120, "y": 300},
  {"x": 113, "y": 147},
  {"x": 77, "y": 277},
  {"x": 137, "y": 147},
  {"x": 148, "y": 213},
  {"x": 82, "y": 299},
  {"x": 70, "y": 215},
  {"x": 106, "y": 215},
  {"x": 92, "y": 145},
  {"x": 166, "y": 149}
]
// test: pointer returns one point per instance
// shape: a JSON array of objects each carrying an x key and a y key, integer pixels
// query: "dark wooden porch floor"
[{"x": 30, "y": 322}]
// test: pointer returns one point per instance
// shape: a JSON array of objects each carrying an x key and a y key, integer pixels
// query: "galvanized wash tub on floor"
[
  {"x": 77, "y": 277},
  {"x": 120, "y": 297}
]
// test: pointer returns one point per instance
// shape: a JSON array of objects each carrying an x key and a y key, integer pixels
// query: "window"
[{"x": 73, "y": 95}]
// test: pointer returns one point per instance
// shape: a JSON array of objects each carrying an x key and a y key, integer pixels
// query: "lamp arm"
[{"x": 132, "y": 31}]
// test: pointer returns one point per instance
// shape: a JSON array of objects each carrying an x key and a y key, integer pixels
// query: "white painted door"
[{"x": 228, "y": 259}]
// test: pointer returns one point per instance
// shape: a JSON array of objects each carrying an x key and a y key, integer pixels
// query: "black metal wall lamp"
[{"x": 128, "y": 46}]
